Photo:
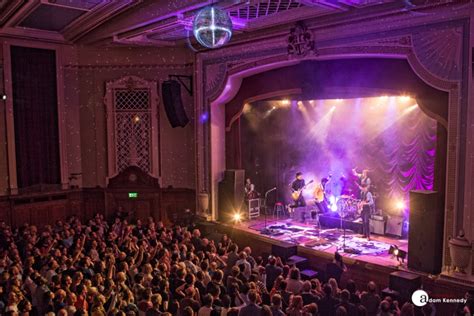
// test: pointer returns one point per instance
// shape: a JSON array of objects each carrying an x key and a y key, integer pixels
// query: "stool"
[{"x": 278, "y": 209}]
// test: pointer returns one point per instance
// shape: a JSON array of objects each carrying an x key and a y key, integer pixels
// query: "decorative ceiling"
[{"x": 165, "y": 23}]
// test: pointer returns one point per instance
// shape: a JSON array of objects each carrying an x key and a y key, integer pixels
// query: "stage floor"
[{"x": 328, "y": 240}]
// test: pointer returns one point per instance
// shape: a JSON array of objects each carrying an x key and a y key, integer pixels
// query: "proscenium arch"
[{"x": 235, "y": 77}]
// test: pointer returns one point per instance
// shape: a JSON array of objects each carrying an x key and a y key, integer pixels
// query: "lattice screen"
[{"x": 133, "y": 128}]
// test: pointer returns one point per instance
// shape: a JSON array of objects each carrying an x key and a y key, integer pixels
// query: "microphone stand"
[{"x": 265, "y": 230}]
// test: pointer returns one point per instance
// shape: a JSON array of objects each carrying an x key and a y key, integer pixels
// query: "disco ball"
[{"x": 212, "y": 27}]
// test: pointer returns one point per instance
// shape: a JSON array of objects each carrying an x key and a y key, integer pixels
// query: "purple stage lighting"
[{"x": 204, "y": 117}]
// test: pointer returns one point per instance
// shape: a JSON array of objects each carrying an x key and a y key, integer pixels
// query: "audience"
[{"x": 147, "y": 269}]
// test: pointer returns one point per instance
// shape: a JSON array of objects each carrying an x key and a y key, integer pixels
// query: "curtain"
[{"x": 35, "y": 116}]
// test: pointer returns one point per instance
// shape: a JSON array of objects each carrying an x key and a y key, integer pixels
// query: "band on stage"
[
  {"x": 363, "y": 203},
  {"x": 350, "y": 204}
]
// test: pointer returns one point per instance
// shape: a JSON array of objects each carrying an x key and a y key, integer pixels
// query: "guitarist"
[
  {"x": 368, "y": 207},
  {"x": 297, "y": 185},
  {"x": 364, "y": 179},
  {"x": 320, "y": 195}
]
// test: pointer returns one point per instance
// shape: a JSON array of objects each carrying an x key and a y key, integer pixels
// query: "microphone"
[{"x": 273, "y": 189}]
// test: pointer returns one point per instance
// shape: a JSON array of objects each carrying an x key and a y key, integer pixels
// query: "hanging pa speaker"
[{"x": 171, "y": 91}]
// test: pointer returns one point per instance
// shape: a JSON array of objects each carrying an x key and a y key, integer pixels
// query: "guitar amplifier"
[
  {"x": 394, "y": 226},
  {"x": 377, "y": 226}
]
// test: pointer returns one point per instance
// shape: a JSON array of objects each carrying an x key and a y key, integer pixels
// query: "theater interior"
[{"x": 233, "y": 157}]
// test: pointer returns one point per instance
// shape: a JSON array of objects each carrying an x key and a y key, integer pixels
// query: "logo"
[{"x": 420, "y": 298}]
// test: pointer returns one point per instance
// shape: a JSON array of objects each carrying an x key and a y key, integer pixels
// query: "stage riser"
[{"x": 334, "y": 222}]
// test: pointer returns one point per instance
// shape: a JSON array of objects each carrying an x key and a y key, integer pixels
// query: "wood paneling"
[
  {"x": 46, "y": 208},
  {"x": 175, "y": 201}
]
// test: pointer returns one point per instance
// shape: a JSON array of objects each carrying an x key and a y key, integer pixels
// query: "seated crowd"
[{"x": 148, "y": 269}]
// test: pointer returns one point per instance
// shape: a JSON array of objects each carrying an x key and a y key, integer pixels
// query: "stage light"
[
  {"x": 405, "y": 98},
  {"x": 237, "y": 217},
  {"x": 4, "y": 97},
  {"x": 383, "y": 97},
  {"x": 400, "y": 205},
  {"x": 338, "y": 100},
  {"x": 274, "y": 107},
  {"x": 334, "y": 207},
  {"x": 397, "y": 253},
  {"x": 285, "y": 102},
  {"x": 136, "y": 119}
]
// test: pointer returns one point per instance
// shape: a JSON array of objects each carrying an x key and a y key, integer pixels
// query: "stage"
[{"x": 327, "y": 240}]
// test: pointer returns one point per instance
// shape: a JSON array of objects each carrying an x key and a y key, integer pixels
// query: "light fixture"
[
  {"x": 237, "y": 217},
  {"x": 405, "y": 98},
  {"x": 400, "y": 205},
  {"x": 212, "y": 27},
  {"x": 4, "y": 96},
  {"x": 398, "y": 253}
]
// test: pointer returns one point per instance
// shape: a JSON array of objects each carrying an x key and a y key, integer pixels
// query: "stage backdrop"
[{"x": 390, "y": 136}]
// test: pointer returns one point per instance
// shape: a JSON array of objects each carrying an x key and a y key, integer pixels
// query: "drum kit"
[{"x": 348, "y": 207}]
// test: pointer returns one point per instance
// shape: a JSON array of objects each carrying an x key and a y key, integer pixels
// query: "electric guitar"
[
  {"x": 295, "y": 195},
  {"x": 319, "y": 193}
]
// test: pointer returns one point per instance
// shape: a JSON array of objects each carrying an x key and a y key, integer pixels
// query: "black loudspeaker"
[
  {"x": 231, "y": 194},
  {"x": 171, "y": 90},
  {"x": 284, "y": 250},
  {"x": 425, "y": 235},
  {"x": 404, "y": 283}
]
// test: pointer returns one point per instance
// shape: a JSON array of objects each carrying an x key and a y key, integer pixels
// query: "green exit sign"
[{"x": 132, "y": 195}]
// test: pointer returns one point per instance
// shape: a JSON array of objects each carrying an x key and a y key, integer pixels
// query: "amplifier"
[
  {"x": 394, "y": 226},
  {"x": 378, "y": 217},
  {"x": 404, "y": 283},
  {"x": 377, "y": 226}
]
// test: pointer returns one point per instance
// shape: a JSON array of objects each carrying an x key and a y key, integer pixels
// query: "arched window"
[{"x": 132, "y": 125}]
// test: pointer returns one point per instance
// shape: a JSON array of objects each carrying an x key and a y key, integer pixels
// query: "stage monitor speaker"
[
  {"x": 425, "y": 234},
  {"x": 284, "y": 250},
  {"x": 171, "y": 90},
  {"x": 404, "y": 283},
  {"x": 231, "y": 194}
]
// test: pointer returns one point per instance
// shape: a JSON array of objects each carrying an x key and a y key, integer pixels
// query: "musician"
[
  {"x": 250, "y": 192},
  {"x": 320, "y": 195},
  {"x": 364, "y": 179},
  {"x": 296, "y": 185},
  {"x": 368, "y": 207}
]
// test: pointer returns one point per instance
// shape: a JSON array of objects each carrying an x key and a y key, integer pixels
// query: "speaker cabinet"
[
  {"x": 394, "y": 226},
  {"x": 404, "y": 283},
  {"x": 425, "y": 234},
  {"x": 377, "y": 226},
  {"x": 171, "y": 91},
  {"x": 284, "y": 250},
  {"x": 231, "y": 194}
]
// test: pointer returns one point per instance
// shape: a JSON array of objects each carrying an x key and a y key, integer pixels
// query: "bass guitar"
[{"x": 295, "y": 195}]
